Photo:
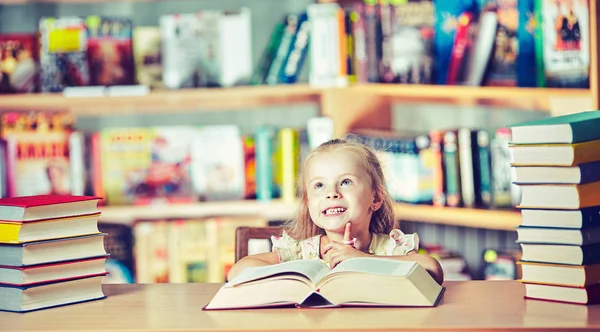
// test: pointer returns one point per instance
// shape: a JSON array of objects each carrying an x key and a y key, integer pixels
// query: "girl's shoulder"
[
  {"x": 290, "y": 249},
  {"x": 393, "y": 244}
]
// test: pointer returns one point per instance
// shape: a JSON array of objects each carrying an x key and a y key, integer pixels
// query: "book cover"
[
  {"x": 217, "y": 163},
  {"x": 502, "y": 68},
  {"x": 148, "y": 56},
  {"x": 412, "y": 41},
  {"x": 566, "y": 43},
  {"x": 63, "y": 53},
  {"x": 110, "y": 50},
  {"x": 38, "y": 152},
  {"x": 19, "y": 68},
  {"x": 297, "y": 53}
]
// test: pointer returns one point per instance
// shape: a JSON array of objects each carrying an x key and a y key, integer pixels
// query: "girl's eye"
[
  {"x": 318, "y": 185},
  {"x": 346, "y": 182}
]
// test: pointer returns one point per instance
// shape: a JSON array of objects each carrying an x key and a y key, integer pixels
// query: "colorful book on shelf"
[
  {"x": 566, "y": 37},
  {"x": 53, "y": 272},
  {"x": 46, "y": 229},
  {"x": 147, "y": 56},
  {"x": 564, "y": 154},
  {"x": 52, "y": 251},
  {"x": 63, "y": 49},
  {"x": 560, "y": 274},
  {"x": 110, "y": 50},
  {"x": 412, "y": 24},
  {"x": 20, "y": 68},
  {"x": 47, "y": 295},
  {"x": 41, "y": 207},
  {"x": 574, "y": 219},
  {"x": 561, "y": 253},
  {"x": 502, "y": 67},
  {"x": 37, "y": 148},
  {"x": 570, "y": 128},
  {"x": 311, "y": 283}
]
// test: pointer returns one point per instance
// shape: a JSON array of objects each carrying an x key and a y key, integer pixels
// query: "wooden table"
[{"x": 470, "y": 305}]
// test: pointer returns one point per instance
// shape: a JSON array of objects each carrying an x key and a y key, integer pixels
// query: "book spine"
[
  {"x": 283, "y": 50},
  {"x": 526, "y": 57},
  {"x": 539, "y": 45},
  {"x": 387, "y": 53},
  {"x": 484, "y": 175},
  {"x": 293, "y": 64},
  {"x": 288, "y": 163},
  {"x": 465, "y": 154},
  {"x": 590, "y": 254},
  {"x": 451, "y": 161},
  {"x": 460, "y": 49},
  {"x": 373, "y": 40},
  {"x": 360, "y": 48},
  {"x": 260, "y": 74},
  {"x": 439, "y": 185},
  {"x": 263, "y": 140}
]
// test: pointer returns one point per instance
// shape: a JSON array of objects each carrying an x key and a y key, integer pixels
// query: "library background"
[{"x": 190, "y": 118}]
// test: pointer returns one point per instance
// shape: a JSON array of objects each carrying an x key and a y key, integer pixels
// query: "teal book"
[
  {"x": 571, "y": 128},
  {"x": 263, "y": 142}
]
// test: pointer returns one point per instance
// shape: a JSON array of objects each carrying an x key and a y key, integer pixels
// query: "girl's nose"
[{"x": 333, "y": 195}]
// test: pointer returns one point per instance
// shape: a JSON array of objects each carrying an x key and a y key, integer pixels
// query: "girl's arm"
[
  {"x": 430, "y": 264},
  {"x": 263, "y": 259}
]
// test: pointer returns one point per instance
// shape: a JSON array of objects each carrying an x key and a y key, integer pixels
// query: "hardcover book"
[{"x": 311, "y": 283}]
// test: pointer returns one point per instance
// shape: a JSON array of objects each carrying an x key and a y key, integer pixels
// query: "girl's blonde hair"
[{"x": 383, "y": 220}]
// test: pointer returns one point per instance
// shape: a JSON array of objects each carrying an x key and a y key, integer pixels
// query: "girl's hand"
[{"x": 339, "y": 252}]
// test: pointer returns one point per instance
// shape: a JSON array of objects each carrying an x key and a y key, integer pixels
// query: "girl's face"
[{"x": 339, "y": 191}]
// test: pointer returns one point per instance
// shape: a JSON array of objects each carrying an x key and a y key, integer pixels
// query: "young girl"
[{"x": 345, "y": 211}]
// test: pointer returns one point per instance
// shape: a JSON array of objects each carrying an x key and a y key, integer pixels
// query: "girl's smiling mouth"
[{"x": 334, "y": 211}]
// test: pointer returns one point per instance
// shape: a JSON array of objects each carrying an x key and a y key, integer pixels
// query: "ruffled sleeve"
[
  {"x": 290, "y": 249},
  {"x": 286, "y": 247},
  {"x": 395, "y": 244}
]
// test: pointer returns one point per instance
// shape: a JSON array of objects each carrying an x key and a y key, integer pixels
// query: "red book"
[
  {"x": 52, "y": 272},
  {"x": 27, "y": 208}
]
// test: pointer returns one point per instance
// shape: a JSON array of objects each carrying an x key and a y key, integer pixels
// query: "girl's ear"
[{"x": 377, "y": 202}]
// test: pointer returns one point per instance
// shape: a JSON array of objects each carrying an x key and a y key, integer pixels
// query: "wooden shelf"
[
  {"x": 553, "y": 100},
  {"x": 248, "y": 97},
  {"x": 278, "y": 210},
  {"x": 468, "y": 92},
  {"x": 477, "y": 218},
  {"x": 188, "y": 100},
  {"x": 271, "y": 210}
]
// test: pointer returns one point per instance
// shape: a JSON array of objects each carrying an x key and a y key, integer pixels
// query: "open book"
[{"x": 362, "y": 281}]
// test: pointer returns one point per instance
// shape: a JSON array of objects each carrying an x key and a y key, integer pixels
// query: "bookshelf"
[
  {"x": 355, "y": 106},
  {"x": 279, "y": 210}
]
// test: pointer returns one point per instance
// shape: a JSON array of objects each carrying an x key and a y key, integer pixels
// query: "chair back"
[{"x": 244, "y": 234}]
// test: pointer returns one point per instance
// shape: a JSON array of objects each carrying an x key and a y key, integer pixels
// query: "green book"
[{"x": 570, "y": 128}]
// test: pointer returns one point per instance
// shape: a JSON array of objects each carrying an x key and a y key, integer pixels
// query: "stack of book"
[
  {"x": 51, "y": 252},
  {"x": 557, "y": 166}
]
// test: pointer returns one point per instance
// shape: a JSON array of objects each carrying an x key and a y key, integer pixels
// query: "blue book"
[
  {"x": 297, "y": 52},
  {"x": 446, "y": 20},
  {"x": 570, "y": 128},
  {"x": 526, "y": 71}
]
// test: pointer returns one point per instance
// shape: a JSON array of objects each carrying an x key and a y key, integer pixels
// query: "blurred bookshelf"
[
  {"x": 246, "y": 97},
  {"x": 279, "y": 210}
]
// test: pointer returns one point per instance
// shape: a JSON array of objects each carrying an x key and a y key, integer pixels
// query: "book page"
[
  {"x": 311, "y": 268},
  {"x": 382, "y": 266}
]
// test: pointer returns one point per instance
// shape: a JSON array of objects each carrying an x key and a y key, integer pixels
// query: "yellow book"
[
  {"x": 555, "y": 154},
  {"x": 28, "y": 231}
]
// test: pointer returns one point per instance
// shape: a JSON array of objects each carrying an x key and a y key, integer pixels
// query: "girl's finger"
[{"x": 347, "y": 233}]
